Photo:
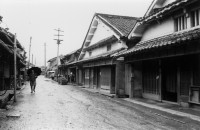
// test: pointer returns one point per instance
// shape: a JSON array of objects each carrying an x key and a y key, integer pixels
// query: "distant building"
[
  {"x": 53, "y": 64},
  {"x": 69, "y": 67}
]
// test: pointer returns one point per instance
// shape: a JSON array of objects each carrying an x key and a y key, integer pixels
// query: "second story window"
[
  {"x": 180, "y": 23},
  {"x": 109, "y": 47},
  {"x": 195, "y": 17}
]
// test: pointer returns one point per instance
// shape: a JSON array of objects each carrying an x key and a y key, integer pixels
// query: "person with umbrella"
[
  {"x": 33, "y": 73},
  {"x": 32, "y": 78}
]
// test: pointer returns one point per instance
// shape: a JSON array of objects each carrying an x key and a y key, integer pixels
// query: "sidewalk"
[
  {"x": 102, "y": 92},
  {"x": 8, "y": 96},
  {"x": 173, "y": 109},
  {"x": 5, "y": 97}
]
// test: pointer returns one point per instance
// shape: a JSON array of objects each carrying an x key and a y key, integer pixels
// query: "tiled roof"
[
  {"x": 76, "y": 51},
  {"x": 107, "y": 40},
  {"x": 9, "y": 49},
  {"x": 52, "y": 59},
  {"x": 8, "y": 38},
  {"x": 122, "y": 25},
  {"x": 5, "y": 46},
  {"x": 174, "y": 38},
  {"x": 165, "y": 10}
]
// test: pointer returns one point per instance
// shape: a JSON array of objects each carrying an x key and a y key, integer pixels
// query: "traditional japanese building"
[
  {"x": 7, "y": 59},
  {"x": 69, "y": 69},
  {"x": 53, "y": 64},
  {"x": 165, "y": 64},
  {"x": 107, "y": 35}
]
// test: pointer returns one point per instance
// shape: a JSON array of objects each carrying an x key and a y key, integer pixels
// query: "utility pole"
[
  {"x": 32, "y": 59},
  {"x": 15, "y": 69},
  {"x": 45, "y": 56},
  {"x": 29, "y": 53},
  {"x": 58, "y": 42}
]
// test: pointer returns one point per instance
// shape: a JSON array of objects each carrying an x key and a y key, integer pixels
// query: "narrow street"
[{"x": 69, "y": 107}]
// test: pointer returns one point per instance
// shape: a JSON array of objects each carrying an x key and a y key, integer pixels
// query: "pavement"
[
  {"x": 5, "y": 98},
  {"x": 55, "y": 106},
  {"x": 192, "y": 113},
  {"x": 174, "y": 109}
]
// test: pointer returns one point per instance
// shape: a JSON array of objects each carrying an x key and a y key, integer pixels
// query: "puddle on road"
[{"x": 13, "y": 115}]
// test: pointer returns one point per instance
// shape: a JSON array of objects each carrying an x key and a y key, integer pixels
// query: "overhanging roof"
[
  {"x": 105, "y": 41},
  {"x": 101, "y": 56},
  {"x": 167, "y": 40},
  {"x": 166, "y": 9},
  {"x": 5, "y": 46}
]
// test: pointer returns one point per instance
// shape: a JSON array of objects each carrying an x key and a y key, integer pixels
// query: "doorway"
[{"x": 169, "y": 80}]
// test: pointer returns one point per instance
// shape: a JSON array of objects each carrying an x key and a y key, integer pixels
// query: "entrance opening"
[
  {"x": 169, "y": 80},
  {"x": 113, "y": 75}
]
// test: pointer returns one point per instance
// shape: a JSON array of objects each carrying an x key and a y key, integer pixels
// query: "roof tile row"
[{"x": 174, "y": 38}]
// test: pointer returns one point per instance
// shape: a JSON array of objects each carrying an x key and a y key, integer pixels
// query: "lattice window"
[
  {"x": 195, "y": 17},
  {"x": 180, "y": 23}
]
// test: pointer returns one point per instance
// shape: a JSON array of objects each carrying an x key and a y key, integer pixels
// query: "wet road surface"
[{"x": 67, "y": 107}]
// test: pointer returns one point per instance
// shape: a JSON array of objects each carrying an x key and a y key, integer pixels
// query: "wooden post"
[
  {"x": 160, "y": 80},
  {"x": 45, "y": 56},
  {"x": 15, "y": 74},
  {"x": 29, "y": 53}
]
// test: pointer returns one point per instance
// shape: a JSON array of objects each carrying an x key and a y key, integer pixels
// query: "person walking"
[{"x": 32, "y": 78}]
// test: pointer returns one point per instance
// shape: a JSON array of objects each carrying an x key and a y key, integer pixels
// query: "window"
[
  {"x": 90, "y": 53},
  {"x": 195, "y": 17},
  {"x": 108, "y": 47},
  {"x": 180, "y": 23}
]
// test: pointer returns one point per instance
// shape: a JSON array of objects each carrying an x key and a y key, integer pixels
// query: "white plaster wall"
[
  {"x": 157, "y": 30},
  {"x": 103, "y": 49},
  {"x": 101, "y": 32},
  {"x": 168, "y": 2}
]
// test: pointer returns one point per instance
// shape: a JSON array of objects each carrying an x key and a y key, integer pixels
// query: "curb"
[
  {"x": 99, "y": 92},
  {"x": 169, "y": 111},
  {"x": 174, "y": 112}
]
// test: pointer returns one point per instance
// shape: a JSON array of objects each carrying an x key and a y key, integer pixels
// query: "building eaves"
[
  {"x": 105, "y": 41},
  {"x": 5, "y": 46},
  {"x": 76, "y": 51},
  {"x": 52, "y": 59},
  {"x": 101, "y": 56},
  {"x": 8, "y": 38},
  {"x": 164, "y": 10},
  {"x": 171, "y": 39}
]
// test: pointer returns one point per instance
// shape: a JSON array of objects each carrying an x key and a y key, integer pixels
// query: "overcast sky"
[{"x": 39, "y": 18}]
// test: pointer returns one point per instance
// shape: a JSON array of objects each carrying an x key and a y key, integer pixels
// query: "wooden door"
[{"x": 98, "y": 78}]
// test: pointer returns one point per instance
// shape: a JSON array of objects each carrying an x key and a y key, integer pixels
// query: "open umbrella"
[{"x": 37, "y": 70}]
